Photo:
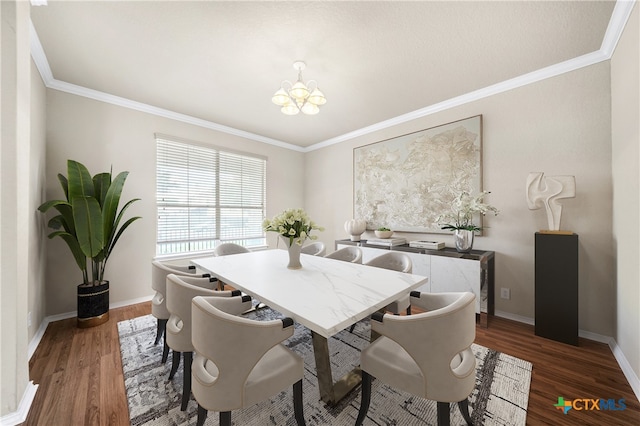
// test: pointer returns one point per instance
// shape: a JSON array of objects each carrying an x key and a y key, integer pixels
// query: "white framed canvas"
[{"x": 406, "y": 183}]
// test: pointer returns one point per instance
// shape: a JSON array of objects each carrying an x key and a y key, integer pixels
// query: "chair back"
[
  {"x": 180, "y": 291},
  {"x": 351, "y": 254},
  {"x": 159, "y": 272},
  {"x": 315, "y": 249},
  {"x": 394, "y": 261},
  {"x": 228, "y": 347},
  {"x": 225, "y": 249},
  {"x": 439, "y": 342}
]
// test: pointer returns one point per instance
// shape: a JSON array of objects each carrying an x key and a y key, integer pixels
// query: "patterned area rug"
[{"x": 500, "y": 396}]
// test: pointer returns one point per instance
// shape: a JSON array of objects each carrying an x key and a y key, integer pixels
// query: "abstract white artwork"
[
  {"x": 546, "y": 191},
  {"x": 406, "y": 183}
]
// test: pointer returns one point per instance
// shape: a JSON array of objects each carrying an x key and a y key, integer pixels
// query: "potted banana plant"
[{"x": 89, "y": 222}]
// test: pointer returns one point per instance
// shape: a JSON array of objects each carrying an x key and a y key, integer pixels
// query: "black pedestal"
[{"x": 556, "y": 293}]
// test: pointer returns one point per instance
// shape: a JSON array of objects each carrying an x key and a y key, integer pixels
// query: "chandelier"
[{"x": 297, "y": 97}]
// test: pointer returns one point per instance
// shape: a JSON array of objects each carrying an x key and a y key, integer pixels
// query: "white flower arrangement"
[
  {"x": 294, "y": 224},
  {"x": 462, "y": 211}
]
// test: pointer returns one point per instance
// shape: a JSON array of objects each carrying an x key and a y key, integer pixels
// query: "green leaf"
[
  {"x": 88, "y": 220},
  {"x": 44, "y": 207},
  {"x": 56, "y": 222},
  {"x": 80, "y": 182},
  {"x": 101, "y": 184},
  {"x": 108, "y": 250},
  {"x": 110, "y": 206},
  {"x": 66, "y": 211},
  {"x": 65, "y": 218},
  {"x": 121, "y": 230},
  {"x": 111, "y": 239},
  {"x": 64, "y": 184},
  {"x": 71, "y": 241}
]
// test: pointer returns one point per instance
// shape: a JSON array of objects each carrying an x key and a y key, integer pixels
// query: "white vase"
[
  {"x": 355, "y": 228},
  {"x": 463, "y": 240},
  {"x": 294, "y": 252}
]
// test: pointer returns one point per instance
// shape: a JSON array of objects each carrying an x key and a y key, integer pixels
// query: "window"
[{"x": 206, "y": 196}]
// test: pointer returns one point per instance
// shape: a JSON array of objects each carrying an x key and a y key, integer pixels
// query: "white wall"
[
  {"x": 15, "y": 197},
  {"x": 37, "y": 227},
  {"x": 560, "y": 126},
  {"x": 100, "y": 135},
  {"x": 625, "y": 110}
]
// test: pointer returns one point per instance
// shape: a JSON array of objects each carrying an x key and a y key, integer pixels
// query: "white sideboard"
[{"x": 447, "y": 270}]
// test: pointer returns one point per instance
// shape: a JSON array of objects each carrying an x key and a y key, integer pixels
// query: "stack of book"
[
  {"x": 433, "y": 245},
  {"x": 387, "y": 242}
]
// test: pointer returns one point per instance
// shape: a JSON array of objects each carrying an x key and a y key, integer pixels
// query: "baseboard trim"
[
  {"x": 595, "y": 337},
  {"x": 514, "y": 317},
  {"x": 20, "y": 415},
  {"x": 35, "y": 341},
  {"x": 627, "y": 370}
]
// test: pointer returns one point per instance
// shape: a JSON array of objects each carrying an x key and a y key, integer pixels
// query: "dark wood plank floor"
[{"x": 80, "y": 374}]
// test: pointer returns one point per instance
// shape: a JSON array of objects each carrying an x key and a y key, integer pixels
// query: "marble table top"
[{"x": 325, "y": 295}]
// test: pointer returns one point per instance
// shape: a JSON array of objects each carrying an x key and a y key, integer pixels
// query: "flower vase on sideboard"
[{"x": 464, "y": 240}]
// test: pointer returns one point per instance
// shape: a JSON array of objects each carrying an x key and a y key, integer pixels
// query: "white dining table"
[{"x": 325, "y": 295}]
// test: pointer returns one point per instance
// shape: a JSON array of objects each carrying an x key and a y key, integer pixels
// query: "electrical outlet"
[
  {"x": 29, "y": 319},
  {"x": 505, "y": 293}
]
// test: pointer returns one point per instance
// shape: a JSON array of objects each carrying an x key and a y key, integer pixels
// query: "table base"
[{"x": 330, "y": 392}]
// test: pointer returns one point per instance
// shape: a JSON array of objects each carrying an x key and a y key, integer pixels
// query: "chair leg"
[
  {"x": 162, "y": 326},
  {"x": 409, "y": 310},
  {"x": 165, "y": 351},
  {"x": 175, "y": 363},
  {"x": 186, "y": 380},
  {"x": 352, "y": 327},
  {"x": 366, "y": 398},
  {"x": 443, "y": 414},
  {"x": 464, "y": 409},
  {"x": 297, "y": 403},
  {"x": 225, "y": 418},
  {"x": 202, "y": 415}
]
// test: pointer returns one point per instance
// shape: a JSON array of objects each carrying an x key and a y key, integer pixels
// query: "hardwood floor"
[{"x": 80, "y": 374}]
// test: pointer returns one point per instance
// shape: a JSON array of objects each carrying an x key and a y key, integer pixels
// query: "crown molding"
[
  {"x": 38, "y": 55},
  {"x": 619, "y": 17},
  {"x": 150, "y": 109},
  {"x": 514, "y": 83}
]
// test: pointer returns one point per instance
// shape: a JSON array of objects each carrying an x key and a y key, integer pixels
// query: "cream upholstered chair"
[
  {"x": 180, "y": 291},
  {"x": 400, "y": 262},
  {"x": 159, "y": 272},
  {"x": 315, "y": 249},
  {"x": 351, "y": 254},
  {"x": 394, "y": 261},
  {"x": 226, "y": 249},
  {"x": 240, "y": 362},
  {"x": 229, "y": 248},
  {"x": 428, "y": 354}
]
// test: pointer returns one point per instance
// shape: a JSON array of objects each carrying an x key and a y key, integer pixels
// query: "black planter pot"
[{"x": 93, "y": 304}]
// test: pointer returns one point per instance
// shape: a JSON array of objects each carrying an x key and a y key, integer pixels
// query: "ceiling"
[{"x": 217, "y": 64}]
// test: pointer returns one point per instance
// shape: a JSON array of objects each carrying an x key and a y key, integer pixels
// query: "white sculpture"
[
  {"x": 355, "y": 228},
  {"x": 547, "y": 191}
]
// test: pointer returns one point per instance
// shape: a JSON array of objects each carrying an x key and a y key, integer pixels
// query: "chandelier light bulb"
[
  {"x": 310, "y": 109},
  {"x": 280, "y": 98},
  {"x": 317, "y": 97},
  {"x": 290, "y": 109},
  {"x": 297, "y": 97},
  {"x": 299, "y": 91}
]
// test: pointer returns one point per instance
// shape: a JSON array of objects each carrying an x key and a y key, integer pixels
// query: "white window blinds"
[{"x": 206, "y": 196}]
